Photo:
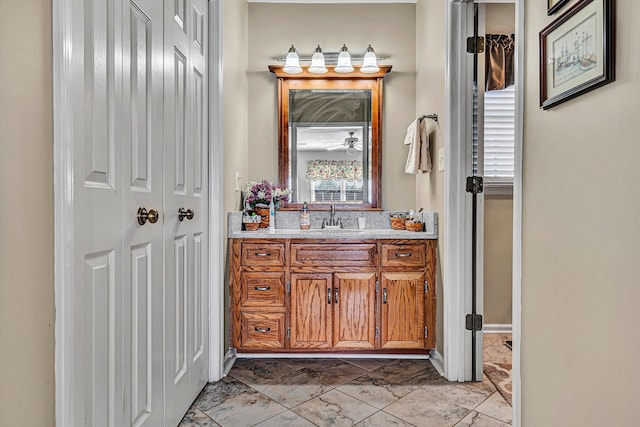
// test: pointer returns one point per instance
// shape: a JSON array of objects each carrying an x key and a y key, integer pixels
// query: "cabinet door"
[
  {"x": 403, "y": 310},
  {"x": 311, "y": 302},
  {"x": 354, "y": 310}
]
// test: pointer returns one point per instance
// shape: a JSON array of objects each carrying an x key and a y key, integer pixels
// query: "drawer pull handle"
[
  {"x": 262, "y": 254},
  {"x": 403, "y": 255},
  {"x": 384, "y": 295},
  {"x": 263, "y": 330},
  {"x": 262, "y": 288}
]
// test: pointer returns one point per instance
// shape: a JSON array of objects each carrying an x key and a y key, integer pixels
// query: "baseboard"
[
  {"x": 229, "y": 360},
  {"x": 330, "y": 356},
  {"x": 437, "y": 361},
  {"x": 497, "y": 328}
]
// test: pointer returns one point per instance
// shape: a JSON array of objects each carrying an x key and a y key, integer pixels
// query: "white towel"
[{"x": 418, "y": 140}]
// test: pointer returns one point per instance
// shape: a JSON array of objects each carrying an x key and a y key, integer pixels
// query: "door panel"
[
  {"x": 311, "y": 317},
  {"x": 403, "y": 310},
  {"x": 354, "y": 310}
]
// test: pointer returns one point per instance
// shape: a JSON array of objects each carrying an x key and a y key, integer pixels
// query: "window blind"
[{"x": 499, "y": 135}]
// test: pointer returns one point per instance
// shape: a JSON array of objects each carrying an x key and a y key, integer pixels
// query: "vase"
[{"x": 264, "y": 214}]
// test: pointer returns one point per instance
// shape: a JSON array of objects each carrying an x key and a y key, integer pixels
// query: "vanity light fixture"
[
  {"x": 292, "y": 64},
  {"x": 369, "y": 63},
  {"x": 344, "y": 61},
  {"x": 317, "y": 62}
]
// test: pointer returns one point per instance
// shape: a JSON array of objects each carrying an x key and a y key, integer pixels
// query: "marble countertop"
[{"x": 371, "y": 233}]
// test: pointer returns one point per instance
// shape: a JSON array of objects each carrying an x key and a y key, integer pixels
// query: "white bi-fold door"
[{"x": 140, "y": 207}]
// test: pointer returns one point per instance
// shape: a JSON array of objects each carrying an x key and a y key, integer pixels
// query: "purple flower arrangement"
[{"x": 260, "y": 194}]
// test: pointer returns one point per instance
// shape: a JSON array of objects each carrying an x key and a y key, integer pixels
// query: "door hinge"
[
  {"x": 475, "y": 44},
  {"x": 288, "y": 287},
  {"x": 426, "y": 332},
  {"x": 288, "y": 332},
  {"x": 473, "y": 322},
  {"x": 475, "y": 184},
  {"x": 377, "y": 286},
  {"x": 426, "y": 286},
  {"x": 376, "y": 331}
]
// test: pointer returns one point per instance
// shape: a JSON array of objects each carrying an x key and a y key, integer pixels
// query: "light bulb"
[
  {"x": 351, "y": 150},
  {"x": 317, "y": 62},
  {"x": 369, "y": 62},
  {"x": 344, "y": 61},
  {"x": 292, "y": 64}
]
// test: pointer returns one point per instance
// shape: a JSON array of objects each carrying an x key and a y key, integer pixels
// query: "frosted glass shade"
[
  {"x": 369, "y": 62},
  {"x": 344, "y": 61},
  {"x": 292, "y": 63},
  {"x": 317, "y": 62}
]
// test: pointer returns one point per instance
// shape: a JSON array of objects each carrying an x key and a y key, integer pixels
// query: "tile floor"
[{"x": 345, "y": 392}]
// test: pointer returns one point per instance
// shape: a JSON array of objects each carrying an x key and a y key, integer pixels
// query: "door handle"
[
  {"x": 185, "y": 213},
  {"x": 384, "y": 295},
  {"x": 335, "y": 297},
  {"x": 328, "y": 295},
  {"x": 143, "y": 215}
]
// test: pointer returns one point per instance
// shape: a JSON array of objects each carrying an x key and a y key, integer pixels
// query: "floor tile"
[
  {"x": 294, "y": 388},
  {"x": 492, "y": 339},
  {"x": 335, "y": 409},
  {"x": 408, "y": 372},
  {"x": 244, "y": 410},
  {"x": 422, "y": 408},
  {"x": 369, "y": 364},
  {"x": 286, "y": 419},
  {"x": 376, "y": 390},
  {"x": 497, "y": 353},
  {"x": 382, "y": 419},
  {"x": 467, "y": 395},
  {"x": 258, "y": 371},
  {"x": 335, "y": 373},
  {"x": 475, "y": 419},
  {"x": 196, "y": 418},
  {"x": 216, "y": 393},
  {"x": 496, "y": 407}
]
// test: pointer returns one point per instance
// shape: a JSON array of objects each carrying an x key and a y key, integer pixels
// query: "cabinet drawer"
[
  {"x": 403, "y": 255},
  {"x": 262, "y": 254},
  {"x": 262, "y": 331},
  {"x": 339, "y": 255},
  {"x": 262, "y": 289}
]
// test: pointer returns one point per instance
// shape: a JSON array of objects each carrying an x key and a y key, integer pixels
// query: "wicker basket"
[
  {"x": 264, "y": 214},
  {"x": 398, "y": 223},
  {"x": 414, "y": 226},
  {"x": 251, "y": 226}
]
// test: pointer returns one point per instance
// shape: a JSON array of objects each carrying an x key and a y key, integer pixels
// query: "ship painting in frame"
[{"x": 577, "y": 52}]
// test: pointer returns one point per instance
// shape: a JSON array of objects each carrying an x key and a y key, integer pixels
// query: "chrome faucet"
[{"x": 332, "y": 219}]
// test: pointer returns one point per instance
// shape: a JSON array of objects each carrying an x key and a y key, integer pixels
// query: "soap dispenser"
[{"x": 305, "y": 218}]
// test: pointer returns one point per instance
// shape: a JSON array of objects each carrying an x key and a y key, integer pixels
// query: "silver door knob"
[
  {"x": 151, "y": 215},
  {"x": 185, "y": 213}
]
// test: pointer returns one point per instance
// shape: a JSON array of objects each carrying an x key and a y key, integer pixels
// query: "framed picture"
[
  {"x": 555, "y": 5},
  {"x": 577, "y": 52}
]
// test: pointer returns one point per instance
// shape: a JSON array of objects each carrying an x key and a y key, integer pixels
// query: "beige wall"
[
  {"x": 498, "y": 212},
  {"x": 390, "y": 28},
  {"x": 430, "y": 98},
  {"x": 581, "y": 235},
  {"x": 26, "y": 215},
  {"x": 235, "y": 92},
  {"x": 498, "y": 257}
]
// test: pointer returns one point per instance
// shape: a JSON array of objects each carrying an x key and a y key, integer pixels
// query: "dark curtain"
[{"x": 498, "y": 61}]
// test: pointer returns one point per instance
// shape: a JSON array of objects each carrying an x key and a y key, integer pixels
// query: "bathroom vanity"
[{"x": 370, "y": 291}]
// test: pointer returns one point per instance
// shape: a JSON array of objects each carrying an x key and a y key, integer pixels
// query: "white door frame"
[
  {"x": 64, "y": 58},
  {"x": 457, "y": 246}
]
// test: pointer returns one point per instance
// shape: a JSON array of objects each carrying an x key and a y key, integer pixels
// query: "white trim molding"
[
  {"x": 216, "y": 192},
  {"x": 331, "y": 1},
  {"x": 437, "y": 361},
  {"x": 497, "y": 328}
]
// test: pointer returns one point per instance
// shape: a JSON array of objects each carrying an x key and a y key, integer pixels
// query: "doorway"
[{"x": 458, "y": 346}]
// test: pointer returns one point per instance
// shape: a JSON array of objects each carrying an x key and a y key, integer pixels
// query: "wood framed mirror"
[{"x": 330, "y": 138}]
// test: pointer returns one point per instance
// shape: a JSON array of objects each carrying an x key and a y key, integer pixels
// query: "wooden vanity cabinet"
[{"x": 303, "y": 295}]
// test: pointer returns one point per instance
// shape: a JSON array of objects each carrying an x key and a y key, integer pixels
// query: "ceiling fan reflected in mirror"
[{"x": 352, "y": 144}]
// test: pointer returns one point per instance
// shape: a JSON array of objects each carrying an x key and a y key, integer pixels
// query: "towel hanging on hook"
[{"x": 433, "y": 117}]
